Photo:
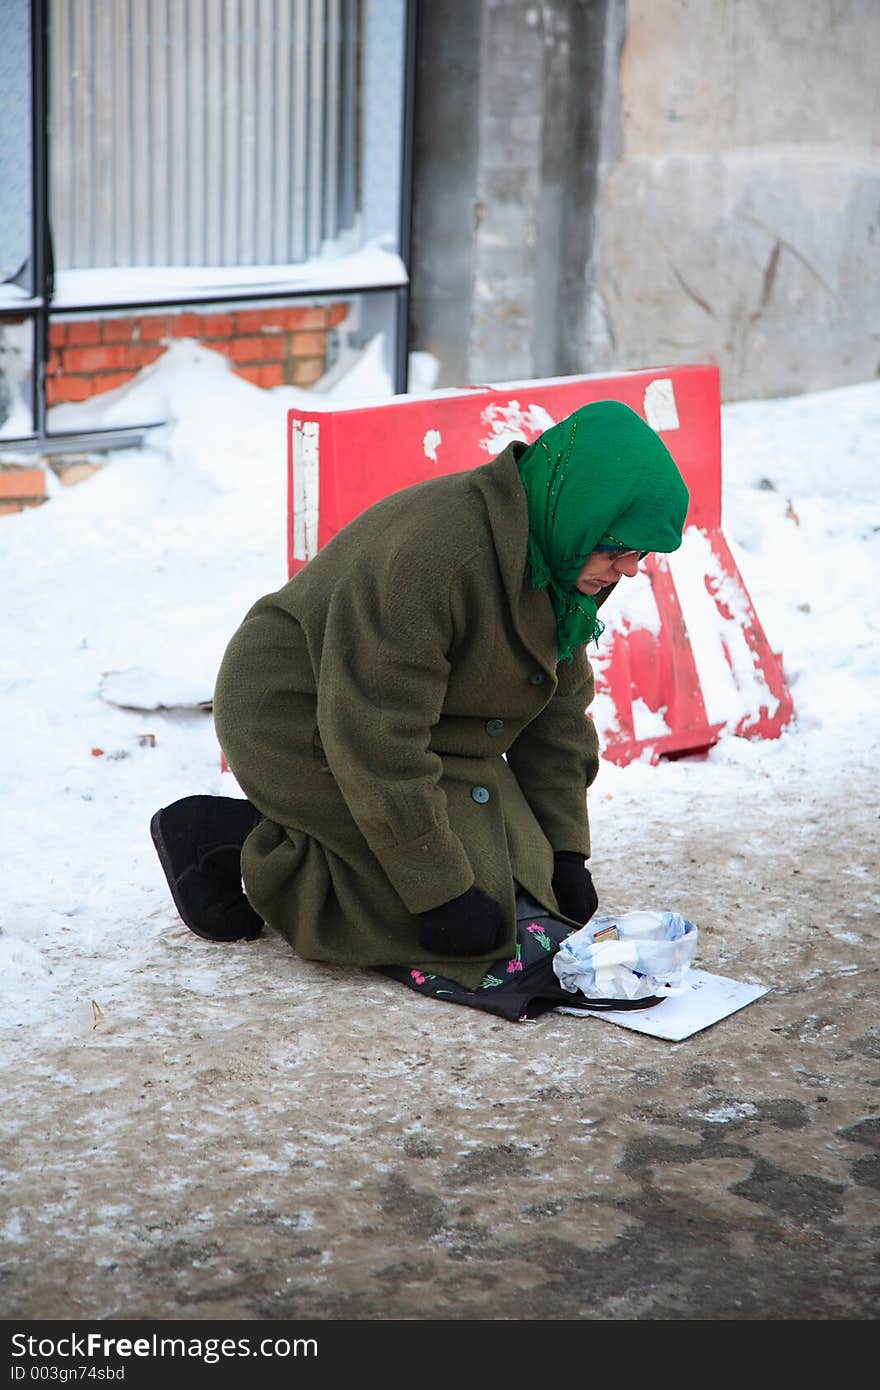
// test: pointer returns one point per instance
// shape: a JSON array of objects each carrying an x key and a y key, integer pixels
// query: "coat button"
[
  {"x": 537, "y": 677},
  {"x": 494, "y": 727},
  {"x": 480, "y": 795}
]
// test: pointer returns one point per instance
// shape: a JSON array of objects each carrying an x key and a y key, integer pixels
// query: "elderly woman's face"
[{"x": 605, "y": 567}]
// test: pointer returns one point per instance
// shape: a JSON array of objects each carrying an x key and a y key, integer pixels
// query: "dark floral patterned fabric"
[{"x": 517, "y": 987}]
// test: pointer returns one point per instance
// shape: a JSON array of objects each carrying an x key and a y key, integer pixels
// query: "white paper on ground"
[{"x": 707, "y": 999}]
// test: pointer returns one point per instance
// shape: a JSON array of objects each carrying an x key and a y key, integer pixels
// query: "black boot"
[{"x": 198, "y": 841}]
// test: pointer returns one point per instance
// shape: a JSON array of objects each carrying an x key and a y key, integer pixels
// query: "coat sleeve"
[
  {"x": 556, "y": 757},
  {"x": 383, "y": 677}
]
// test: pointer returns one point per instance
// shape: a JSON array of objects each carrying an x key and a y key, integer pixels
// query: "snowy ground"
[{"x": 168, "y": 1100}]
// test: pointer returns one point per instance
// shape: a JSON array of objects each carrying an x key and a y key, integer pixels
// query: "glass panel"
[
  {"x": 204, "y": 132},
  {"x": 16, "y": 377},
  {"x": 92, "y": 374},
  {"x": 384, "y": 43},
  {"x": 16, "y": 277}
]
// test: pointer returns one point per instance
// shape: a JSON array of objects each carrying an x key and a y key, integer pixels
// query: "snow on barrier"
[{"x": 683, "y": 659}]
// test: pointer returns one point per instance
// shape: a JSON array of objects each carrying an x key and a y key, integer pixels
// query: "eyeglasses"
[{"x": 618, "y": 552}]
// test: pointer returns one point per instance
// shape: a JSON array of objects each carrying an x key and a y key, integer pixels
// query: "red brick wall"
[
  {"x": 270, "y": 347},
  {"x": 21, "y": 487}
]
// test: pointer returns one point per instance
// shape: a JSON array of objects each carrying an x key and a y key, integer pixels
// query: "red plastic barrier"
[{"x": 684, "y": 663}]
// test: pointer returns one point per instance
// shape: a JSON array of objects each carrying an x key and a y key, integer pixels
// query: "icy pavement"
[{"x": 226, "y": 1131}]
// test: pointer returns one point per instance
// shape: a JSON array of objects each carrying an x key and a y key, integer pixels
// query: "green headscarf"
[{"x": 600, "y": 477}]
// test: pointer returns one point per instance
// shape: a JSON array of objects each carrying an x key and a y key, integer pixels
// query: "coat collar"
[{"x": 505, "y": 501}]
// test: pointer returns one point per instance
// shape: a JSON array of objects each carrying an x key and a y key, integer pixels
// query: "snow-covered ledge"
[{"x": 372, "y": 267}]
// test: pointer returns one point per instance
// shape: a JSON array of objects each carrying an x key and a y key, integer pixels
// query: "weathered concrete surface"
[
  {"x": 739, "y": 194},
  {"x": 249, "y": 1136},
  {"x": 635, "y": 182},
  {"x": 506, "y": 129}
]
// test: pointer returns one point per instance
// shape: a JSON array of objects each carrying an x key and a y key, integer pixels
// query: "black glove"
[
  {"x": 573, "y": 886},
  {"x": 472, "y": 924}
]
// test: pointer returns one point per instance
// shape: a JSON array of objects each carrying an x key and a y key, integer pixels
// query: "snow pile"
[
  {"x": 153, "y": 563},
  {"x": 802, "y": 513}
]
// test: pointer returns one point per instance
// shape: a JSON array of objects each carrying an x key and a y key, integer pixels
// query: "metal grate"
[{"x": 203, "y": 132}]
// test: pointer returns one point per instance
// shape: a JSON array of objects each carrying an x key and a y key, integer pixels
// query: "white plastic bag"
[{"x": 637, "y": 954}]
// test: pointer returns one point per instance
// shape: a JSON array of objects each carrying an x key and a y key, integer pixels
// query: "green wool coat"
[{"x": 365, "y": 707}]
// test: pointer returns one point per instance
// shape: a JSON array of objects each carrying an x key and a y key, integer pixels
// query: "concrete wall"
[
  {"x": 506, "y": 136},
  {"x": 740, "y": 194},
  {"x": 604, "y": 184}
]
